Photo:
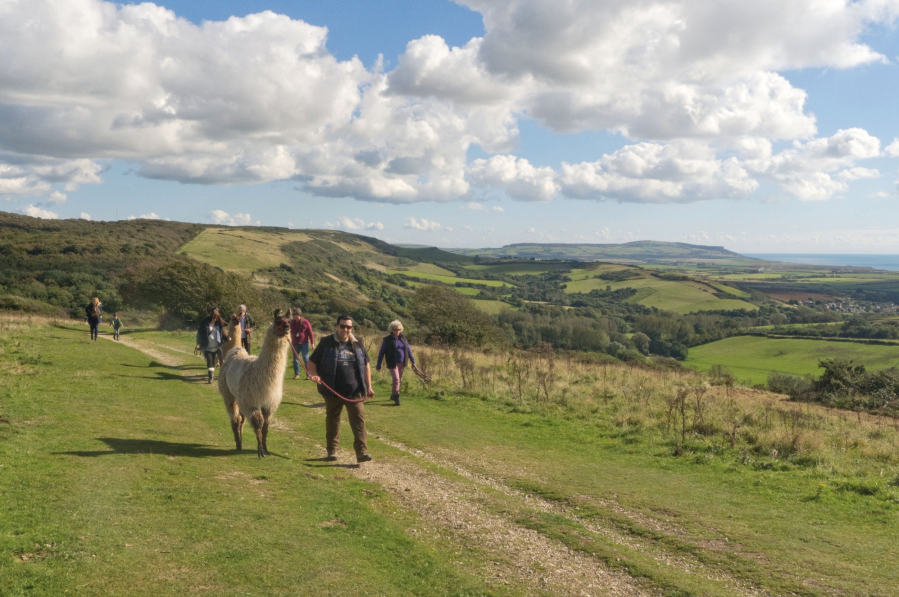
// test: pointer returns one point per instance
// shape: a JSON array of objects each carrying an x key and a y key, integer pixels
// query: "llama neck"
[{"x": 273, "y": 352}]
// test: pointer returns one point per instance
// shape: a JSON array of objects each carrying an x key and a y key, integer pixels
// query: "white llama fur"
[
  {"x": 234, "y": 331},
  {"x": 252, "y": 386}
]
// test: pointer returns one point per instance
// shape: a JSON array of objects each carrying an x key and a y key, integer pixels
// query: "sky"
[{"x": 763, "y": 126}]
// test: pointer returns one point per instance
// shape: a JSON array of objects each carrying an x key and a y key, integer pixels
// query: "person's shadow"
[
  {"x": 326, "y": 463},
  {"x": 154, "y": 446}
]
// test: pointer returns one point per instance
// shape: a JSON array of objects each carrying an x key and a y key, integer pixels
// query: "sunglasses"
[{"x": 345, "y": 327}]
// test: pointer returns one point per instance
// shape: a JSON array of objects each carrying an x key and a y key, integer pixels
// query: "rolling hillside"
[{"x": 648, "y": 252}]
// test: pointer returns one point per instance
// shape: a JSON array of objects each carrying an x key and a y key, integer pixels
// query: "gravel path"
[{"x": 456, "y": 510}]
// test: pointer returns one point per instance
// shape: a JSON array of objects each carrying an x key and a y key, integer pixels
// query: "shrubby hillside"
[
  {"x": 179, "y": 270},
  {"x": 57, "y": 265}
]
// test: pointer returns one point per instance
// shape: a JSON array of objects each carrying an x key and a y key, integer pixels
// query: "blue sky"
[{"x": 501, "y": 122}]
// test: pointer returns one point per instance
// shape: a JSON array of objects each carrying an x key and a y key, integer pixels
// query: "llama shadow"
[{"x": 150, "y": 446}]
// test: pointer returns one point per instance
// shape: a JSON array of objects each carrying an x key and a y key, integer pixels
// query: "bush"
[
  {"x": 793, "y": 386},
  {"x": 719, "y": 375},
  {"x": 187, "y": 289},
  {"x": 449, "y": 318}
]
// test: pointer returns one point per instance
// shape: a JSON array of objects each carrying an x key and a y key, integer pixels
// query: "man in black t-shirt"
[{"x": 341, "y": 362}]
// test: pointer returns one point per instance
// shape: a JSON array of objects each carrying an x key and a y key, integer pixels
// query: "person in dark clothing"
[
  {"x": 210, "y": 336},
  {"x": 395, "y": 349},
  {"x": 94, "y": 312},
  {"x": 301, "y": 337},
  {"x": 246, "y": 327},
  {"x": 341, "y": 362},
  {"x": 116, "y": 325}
]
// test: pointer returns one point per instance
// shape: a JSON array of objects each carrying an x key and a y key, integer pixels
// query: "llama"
[
  {"x": 234, "y": 331},
  {"x": 251, "y": 386}
]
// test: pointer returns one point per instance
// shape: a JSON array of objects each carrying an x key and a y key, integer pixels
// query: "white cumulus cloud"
[
  {"x": 345, "y": 223},
  {"x": 223, "y": 218},
  {"x": 37, "y": 212},
  {"x": 85, "y": 216},
  {"x": 656, "y": 173},
  {"x": 260, "y": 98},
  {"x": 421, "y": 224},
  {"x": 517, "y": 176}
]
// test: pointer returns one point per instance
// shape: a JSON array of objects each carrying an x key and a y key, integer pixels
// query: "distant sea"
[{"x": 885, "y": 262}]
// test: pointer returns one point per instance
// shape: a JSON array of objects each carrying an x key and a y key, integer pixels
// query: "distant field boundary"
[{"x": 874, "y": 341}]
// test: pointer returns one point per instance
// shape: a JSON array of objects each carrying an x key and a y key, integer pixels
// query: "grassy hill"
[
  {"x": 633, "y": 252},
  {"x": 142, "y": 492}
]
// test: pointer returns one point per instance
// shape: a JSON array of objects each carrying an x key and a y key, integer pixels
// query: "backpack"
[{"x": 93, "y": 310}]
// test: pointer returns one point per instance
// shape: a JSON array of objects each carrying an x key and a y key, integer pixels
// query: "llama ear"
[{"x": 277, "y": 313}]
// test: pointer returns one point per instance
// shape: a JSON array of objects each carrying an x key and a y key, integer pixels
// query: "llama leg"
[
  {"x": 232, "y": 409},
  {"x": 266, "y": 415},
  {"x": 235, "y": 428},
  {"x": 257, "y": 421}
]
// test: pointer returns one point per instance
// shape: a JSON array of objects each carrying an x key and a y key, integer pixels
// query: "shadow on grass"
[
  {"x": 166, "y": 376},
  {"x": 387, "y": 402},
  {"x": 319, "y": 405},
  {"x": 158, "y": 364},
  {"x": 153, "y": 446},
  {"x": 329, "y": 463}
]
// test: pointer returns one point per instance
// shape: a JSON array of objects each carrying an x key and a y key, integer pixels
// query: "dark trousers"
[
  {"x": 245, "y": 342},
  {"x": 355, "y": 412},
  {"x": 95, "y": 327},
  {"x": 211, "y": 356}
]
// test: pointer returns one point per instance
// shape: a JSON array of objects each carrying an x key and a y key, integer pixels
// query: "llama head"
[{"x": 281, "y": 323}]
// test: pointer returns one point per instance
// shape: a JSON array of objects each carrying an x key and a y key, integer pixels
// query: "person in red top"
[{"x": 302, "y": 339}]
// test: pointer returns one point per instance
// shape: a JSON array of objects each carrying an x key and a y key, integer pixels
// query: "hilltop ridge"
[{"x": 642, "y": 251}]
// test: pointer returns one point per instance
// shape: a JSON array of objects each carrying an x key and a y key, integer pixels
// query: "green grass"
[
  {"x": 430, "y": 268},
  {"x": 753, "y": 358},
  {"x": 492, "y": 307},
  {"x": 118, "y": 478},
  {"x": 460, "y": 289},
  {"x": 445, "y": 279},
  {"x": 519, "y": 269},
  {"x": 680, "y": 297},
  {"x": 731, "y": 290},
  {"x": 240, "y": 250}
]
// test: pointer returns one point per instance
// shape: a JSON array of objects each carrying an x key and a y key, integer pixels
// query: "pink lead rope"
[{"x": 344, "y": 398}]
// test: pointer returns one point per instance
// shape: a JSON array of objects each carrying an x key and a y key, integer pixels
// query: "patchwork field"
[
  {"x": 753, "y": 358},
  {"x": 677, "y": 296}
]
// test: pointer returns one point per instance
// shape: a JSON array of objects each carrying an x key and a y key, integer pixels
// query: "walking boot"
[
  {"x": 396, "y": 399},
  {"x": 210, "y": 377}
]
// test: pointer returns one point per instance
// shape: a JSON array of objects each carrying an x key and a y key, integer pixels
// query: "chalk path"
[{"x": 459, "y": 511}]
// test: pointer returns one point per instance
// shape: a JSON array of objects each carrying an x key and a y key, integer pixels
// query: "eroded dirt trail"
[
  {"x": 147, "y": 348},
  {"x": 517, "y": 555},
  {"x": 456, "y": 507}
]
